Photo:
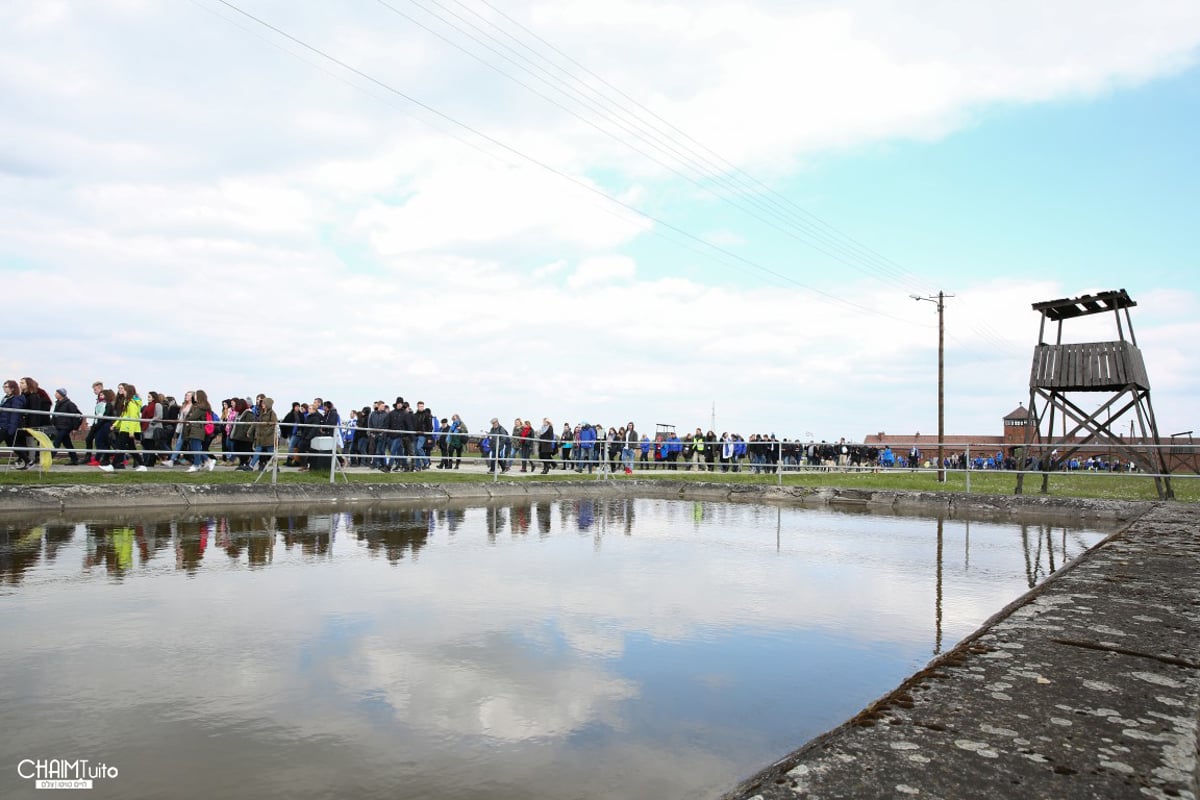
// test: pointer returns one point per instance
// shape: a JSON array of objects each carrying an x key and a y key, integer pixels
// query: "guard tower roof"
[
  {"x": 1020, "y": 412},
  {"x": 1058, "y": 310}
]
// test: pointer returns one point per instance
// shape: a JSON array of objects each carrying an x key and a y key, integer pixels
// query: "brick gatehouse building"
[{"x": 1183, "y": 453}]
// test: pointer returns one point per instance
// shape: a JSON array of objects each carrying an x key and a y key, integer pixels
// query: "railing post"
[
  {"x": 333, "y": 452},
  {"x": 967, "y": 466},
  {"x": 602, "y": 451}
]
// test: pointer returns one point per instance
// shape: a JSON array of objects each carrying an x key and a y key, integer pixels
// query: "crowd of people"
[{"x": 122, "y": 429}]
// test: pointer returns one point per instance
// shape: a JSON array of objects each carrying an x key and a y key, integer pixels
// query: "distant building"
[
  {"x": 1015, "y": 423},
  {"x": 1183, "y": 454}
]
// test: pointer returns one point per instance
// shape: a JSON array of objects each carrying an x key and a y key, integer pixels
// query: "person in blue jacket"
[
  {"x": 585, "y": 443},
  {"x": 674, "y": 448}
]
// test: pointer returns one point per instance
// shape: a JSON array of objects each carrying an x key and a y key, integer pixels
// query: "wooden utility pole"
[{"x": 941, "y": 309}]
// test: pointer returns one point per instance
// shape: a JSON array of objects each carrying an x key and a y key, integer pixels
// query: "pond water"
[{"x": 574, "y": 649}]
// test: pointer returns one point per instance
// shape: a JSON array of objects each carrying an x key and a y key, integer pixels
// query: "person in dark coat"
[
  {"x": 66, "y": 421},
  {"x": 498, "y": 441},
  {"x": 546, "y": 440},
  {"x": 289, "y": 432},
  {"x": 36, "y": 400},
  {"x": 11, "y": 417}
]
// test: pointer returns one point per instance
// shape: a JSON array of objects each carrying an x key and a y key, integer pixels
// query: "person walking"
[
  {"x": 498, "y": 444},
  {"x": 266, "y": 429},
  {"x": 457, "y": 440},
  {"x": 152, "y": 428},
  {"x": 696, "y": 458},
  {"x": 566, "y": 441},
  {"x": 11, "y": 416},
  {"x": 200, "y": 424},
  {"x": 629, "y": 446},
  {"x": 104, "y": 422},
  {"x": 585, "y": 443},
  {"x": 242, "y": 435},
  {"x": 179, "y": 443},
  {"x": 89, "y": 444},
  {"x": 521, "y": 446},
  {"x": 128, "y": 410},
  {"x": 37, "y": 415},
  {"x": 546, "y": 439},
  {"x": 615, "y": 442},
  {"x": 65, "y": 420}
]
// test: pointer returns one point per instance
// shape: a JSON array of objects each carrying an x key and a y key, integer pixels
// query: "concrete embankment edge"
[
  {"x": 1086, "y": 687},
  {"x": 90, "y": 498}
]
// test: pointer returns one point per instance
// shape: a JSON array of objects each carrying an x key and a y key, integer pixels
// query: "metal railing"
[{"x": 414, "y": 450}]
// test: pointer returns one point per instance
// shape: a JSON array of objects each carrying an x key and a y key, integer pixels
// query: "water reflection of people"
[
  {"x": 627, "y": 514},
  {"x": 313, "y": 541},
  {"x": 259, "y": 549},
  {"x": 21, "y": 548},
  {"x": 519, "y": 517},
  {"x": 449, "y": 518},
  {"x": 55, "y": 537},
  {"x": 122, "y": 545},
  {"x": 20, "y": 551},
  {"x": 246, "y": 534},
  {"x": 494, "y": 516},
  {"x": 191, "y": 540},
  {"x": 397, "y": 533},
  {"x": 585, "y": 514},
  {"x": 113, "y": 548}
]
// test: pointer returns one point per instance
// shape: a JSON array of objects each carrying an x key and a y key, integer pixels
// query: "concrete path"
[{"x": 1087, "y": 687}]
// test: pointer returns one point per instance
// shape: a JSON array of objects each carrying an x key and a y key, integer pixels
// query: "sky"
[{"x": 708, "y": 214}]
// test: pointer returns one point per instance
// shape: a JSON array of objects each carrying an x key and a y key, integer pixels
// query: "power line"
[
  {"x": 553, "y": 170},
  {"x": 745, "y": 180},
  {"x": 822, "y": 241},
  {"x": 330, "y": 73}
]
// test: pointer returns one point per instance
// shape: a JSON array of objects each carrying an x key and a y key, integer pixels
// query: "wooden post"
[{"x": 941, "y": 388}]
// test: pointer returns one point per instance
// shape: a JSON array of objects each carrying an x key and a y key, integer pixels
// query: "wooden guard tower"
[{"x": 1116, "y": 367}]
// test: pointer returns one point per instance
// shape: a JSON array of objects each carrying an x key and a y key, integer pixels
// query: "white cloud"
[
  {"x": 767, "y": 81},
  {"x": 252, "y": 204},
  {"x": 602, "y": 270},
  {"x": 211, "y": 202},
  {"x": 468, "y": 205}
]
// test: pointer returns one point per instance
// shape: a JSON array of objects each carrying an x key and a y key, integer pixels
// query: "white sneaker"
[
  {"x": 211, "y": 464},
  {"x": 140, "y": 468},
  {"x": 106, "y": 467},
  {"x": 189, "y": 469}
]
